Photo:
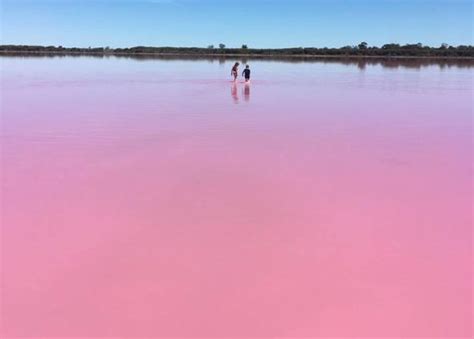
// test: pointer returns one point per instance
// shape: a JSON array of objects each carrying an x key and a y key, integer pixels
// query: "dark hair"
[{"x": 248, "y": 66}]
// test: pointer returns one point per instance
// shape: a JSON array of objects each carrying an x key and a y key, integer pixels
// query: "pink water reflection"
[{"x": 156, "y": 198}]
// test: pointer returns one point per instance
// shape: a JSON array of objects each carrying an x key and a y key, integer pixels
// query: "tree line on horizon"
[{"x": 363, "y": 49}]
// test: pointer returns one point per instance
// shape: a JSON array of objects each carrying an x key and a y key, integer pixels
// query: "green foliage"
[{"x": 387, "y": 50}]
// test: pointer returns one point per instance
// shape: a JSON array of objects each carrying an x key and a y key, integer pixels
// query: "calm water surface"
[{"x": 156, "y": 198}]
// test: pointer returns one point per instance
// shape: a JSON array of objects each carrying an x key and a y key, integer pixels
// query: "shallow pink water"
[{"x": 154, "y": 198}]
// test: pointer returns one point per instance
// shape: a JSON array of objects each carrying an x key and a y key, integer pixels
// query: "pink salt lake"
[{"x": 154, "y": 198}]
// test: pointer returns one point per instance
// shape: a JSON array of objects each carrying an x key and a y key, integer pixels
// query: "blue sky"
[{"x": 258, "y": 23}]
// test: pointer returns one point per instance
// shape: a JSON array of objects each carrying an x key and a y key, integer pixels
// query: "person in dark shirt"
[{"x": 246, "y": 73}]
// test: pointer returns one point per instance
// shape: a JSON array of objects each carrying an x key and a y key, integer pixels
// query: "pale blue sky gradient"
[{"x": 258, "y": 23}]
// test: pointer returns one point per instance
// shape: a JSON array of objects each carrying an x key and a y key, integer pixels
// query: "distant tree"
[
  {"x": 391, "y": 46},
  {"x": 444, "y": 46},
  {"x": 221, "y": 46},
  {"x": 245, "y": 47},
  {"x": 347, "y": 48},
  {"x": 363, "y": 45},
  {"x": 210, "y": 47}
]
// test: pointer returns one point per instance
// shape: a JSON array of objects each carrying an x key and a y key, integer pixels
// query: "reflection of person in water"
[
  {"x": 247, "y": 92},
  {"x": 233, "y": 92}
]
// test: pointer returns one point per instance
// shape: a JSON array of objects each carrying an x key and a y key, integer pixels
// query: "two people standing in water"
[
  {"x": 245, "y": 73},
  {"x": 246, "y": 89}
]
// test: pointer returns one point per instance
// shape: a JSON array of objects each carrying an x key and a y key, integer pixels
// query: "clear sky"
[{"x": 258, "y": 23}]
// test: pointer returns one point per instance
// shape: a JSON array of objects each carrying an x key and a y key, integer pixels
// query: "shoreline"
[{"x": 235, "y": 55}]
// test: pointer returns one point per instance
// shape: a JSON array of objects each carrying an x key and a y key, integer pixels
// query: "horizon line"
[{"x": 241, "y": 47}]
